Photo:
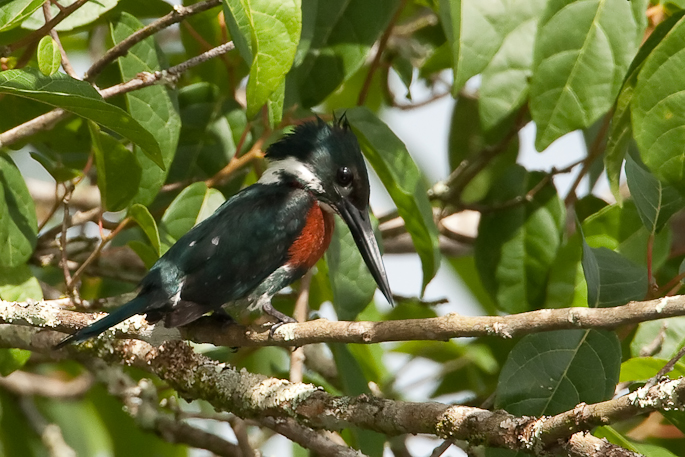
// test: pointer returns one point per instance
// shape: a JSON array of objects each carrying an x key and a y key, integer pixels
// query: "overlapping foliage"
[{"x": 164, "y": 157}]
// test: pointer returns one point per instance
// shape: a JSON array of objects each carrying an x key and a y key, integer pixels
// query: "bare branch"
[
  {"x": 177, "y": 15},
  {"x": 258, "y": 397},
  {"x": 49, "y": 314},
  {"x": 44, "y": 30},
  {"x": 144, "y": 79},
  {"x": 142, "y": 403},
  {"x": 308, "y": 438},
  {"x": 25, "y": 383}
]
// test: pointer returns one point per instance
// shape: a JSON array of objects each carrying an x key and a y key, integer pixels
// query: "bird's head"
[{"x": 326, "y": 161}]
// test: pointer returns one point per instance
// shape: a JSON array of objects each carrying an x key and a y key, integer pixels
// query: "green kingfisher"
[{"x": 264, "y": 237}]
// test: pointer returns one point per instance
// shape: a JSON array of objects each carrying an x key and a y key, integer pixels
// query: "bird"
[{"x": 264, "y": 237}]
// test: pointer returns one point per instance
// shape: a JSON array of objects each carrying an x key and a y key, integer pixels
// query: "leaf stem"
[
  {"x": 382, "y": 43},
  {"x": 36, "y": 35},
  {"x": 53, "y": 34},
  {"x": 96, "y": 252},
  {"x": 594, "y": 152}
]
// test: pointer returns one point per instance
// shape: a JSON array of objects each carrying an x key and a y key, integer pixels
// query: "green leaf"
[
  {"x": 465, "y": 137},
  {"x": 547, "y": 373},
  {"x": 12, "y": 13},
  {"x": 565, "y": 283},
  {"x": 592, "y": 275},
  {"x": 669, "y": 333},
  {"x": 613, "y": 436},
  {"x": 506, "y": 79},
  {"x": 18, "y": 225},
  {"x": 620, "y": 229},
  {"x": 194, "y": 204},
  {"x": 146, "y": 9},
  {"x": 343, "y": 36},
  {"x": 656, "y": 202},
  {"x": 19, "y": 284},
  {"x": 612, "y": 279},
  {"x": 657, "y": 118},
  {"x": 118, "y": 170},
  {"x": 147, "y": 223},
  {"x": 644, "y": 368},
  {"x": 621, "y": 130},
  {"x": 676, "y": 418},
  {"x": 80, "y": 98},
  {"x": 58, "y": 170},
  {"x": 146, "y": 252},
  {"x": 73, "y": 417},
  {"x": 403, "y": 180},
  {"x": 49, "y": 57},
  {"x": 351, "y": 282},
  {"x": 155, "y": 107},
  {"x": 207, "y": 134},
  {"x": 12, "y": 359},
  {"x": 648, "y": 450},
  {"x": 582, "y": 53},
  {"x": 516, "y": 246},
  {"x": 474, "y": 31},
  {"x": 267, "y": 36},
  {"x": 127, "y": 437},
  {"x": 17, "y": 433},
  {"x": 466, "y": 142},
  {"x": 89, "y": 12}
]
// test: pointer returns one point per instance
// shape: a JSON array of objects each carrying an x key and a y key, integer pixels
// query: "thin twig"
[
  {"x": 422, "y": 103},
  {"x": 673, "y": 283},
  {"x": 667, "y": 368},
  {"x": 141, "y": 402},
  {"x": 300, "y": 315},
  {"x": 106, "y": 239},
  {"x": 438, "y": 451},
  {"x": 120, "y": 49},
  {"x": 206, "y": 46},
  {"x": 55, "y": 206},
  {"x": 520, "y": 199},
  {"x": 53, "y": 34},
  {"x": 50, "y": 434},
  {"x": 468, "y": 169},
  {"x": 237, "y": 163},
  {"x": 144, "y": 79},
  {"x": 62, "y": 243},
  {"x": 382, "y": 43},
  {"x": 168, "y": 76},
  {"x": 29, "y": 384},
  {"x": 594, "y": 152},
  {"x": 36, "y": 35},
  {"x": 308, "y": 438},
  {"x": 240, "y": 430}
]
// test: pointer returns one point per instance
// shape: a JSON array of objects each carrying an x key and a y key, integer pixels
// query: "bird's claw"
[{"x": 274, "y": 327}]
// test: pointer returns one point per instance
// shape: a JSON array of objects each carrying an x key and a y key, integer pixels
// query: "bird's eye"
[{"x": 344, "y": 176}]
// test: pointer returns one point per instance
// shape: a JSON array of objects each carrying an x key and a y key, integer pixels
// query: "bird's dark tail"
[{"x": 135, "y": 306}]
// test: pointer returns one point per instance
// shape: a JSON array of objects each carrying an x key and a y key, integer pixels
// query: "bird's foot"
[{"x": 282, "y": 318}]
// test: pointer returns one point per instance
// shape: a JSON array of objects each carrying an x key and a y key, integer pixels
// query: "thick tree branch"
[
  {"x": 258, "y": 397},
  {"x": 49, "y": 314},
  {"x": 141, "y": 402}
]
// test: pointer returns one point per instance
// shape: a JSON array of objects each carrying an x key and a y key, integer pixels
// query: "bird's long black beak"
[{"x": 362, "y": 232}]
